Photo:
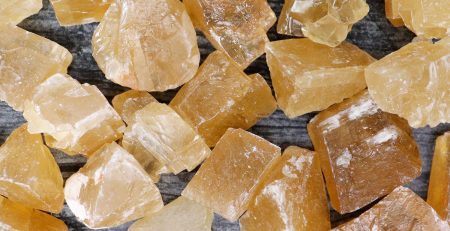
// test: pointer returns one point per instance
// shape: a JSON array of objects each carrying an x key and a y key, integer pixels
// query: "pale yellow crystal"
[
  {"x": 74, "y": 12},
  {"x": 14, "y": 11},
  {"x": 392, "y": 14},
  {"x": 127, "y": 103},
  {"x": 286, "y": 23}
]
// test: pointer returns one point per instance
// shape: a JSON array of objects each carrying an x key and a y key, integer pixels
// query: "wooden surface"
[{"x": 373, "y": 34}]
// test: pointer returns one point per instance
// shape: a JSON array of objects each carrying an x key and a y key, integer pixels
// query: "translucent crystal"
[
  {"x": 69, "y": 12},
  {"x": 392, "y": 14},
  {"x": 286, "y": 23},
  {"x": 14, "y": 11},
  {"x": 127, "y": 103}
]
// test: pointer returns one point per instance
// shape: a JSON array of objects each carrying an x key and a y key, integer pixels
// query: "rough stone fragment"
[
  {"x": 235, "y": 27},
  {"x": 392, "y": 14},
  {"x": 111, "y": 189},
  {"x": 14, "y": 11},
  {"x": 400, "y": 210},
  {"x": 76, "y": 118},
  {"x": 221, "y": 96},
  {"x": 414, "y": 83},
  {"x": 26, "y": 60},
  {"x": 226, "y": 181},
  {"x": 28, "y": 172},
  {"x": 286, "y": 23},
  {"x": 292, "y": 197},
  {"x": 131, "y": 101},
  {"x": 70, "y": 12},
  {"x": 310, "y": 77},
  {"x": 358, "y": 143},
  {"x": 179, "y": 215},
  {"x": 147, "y": 44}
]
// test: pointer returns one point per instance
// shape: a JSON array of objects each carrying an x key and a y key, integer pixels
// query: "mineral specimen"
[
  {"x": 400, "y": 210},
  {"x": 28, "y": 172},
  {"x": 147, "y": 44},
  {"x": 413, "y": 82},
  {"x": 26, "y": 60},
  {"x": 111, "y": 189},
  {"x": 181, "y": 214},
  {"x": 392, "y": 14},
  {"x": 310, "y": 77},
  {"x": 236, "y": 27},
  {"x": 358, "y": 143},
  {"x": 69, "y": 12},
  {"x": 221, "y": 96},
  {"x": 286, "y": 23},
  {"x": 129, "y": 102},
  {"x": 293, "y": 196},
  {"x": 14, "y": 11},
  {"x": 226, "y": 181},
  {"x": 75, "y": 117}
]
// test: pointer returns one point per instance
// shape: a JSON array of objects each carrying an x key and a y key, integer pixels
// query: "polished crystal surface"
[
  {"x": 127, "y": 103},
  {"x": 70, "y": 12},
  {"x": 392, "y": 14},
  {"x": 14, "y": 11}
]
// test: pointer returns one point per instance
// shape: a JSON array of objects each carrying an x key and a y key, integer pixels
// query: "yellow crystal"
[
  {"x": 111, "y": 189},
  {"x": 221, "y": 96},
  {"x": 147, "y": 44},
  {"x": 226, "y": 181},
  {"x": 28, "y": 172},
  {"x": 286, "y": 23},
  {"x": 292, "y": 197},
  {"x": 14, "y": 11},
  {"x": 392, "y": 14},
  {"x": 70, "y": 12},
  {"x": 131, "y": 101}
]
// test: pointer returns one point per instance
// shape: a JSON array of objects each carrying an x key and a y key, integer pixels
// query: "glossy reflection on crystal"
[
  {"x": 70, "y": 12},
  {"x": 127, "y": 103},
  {"x": 14, "y": 11}
]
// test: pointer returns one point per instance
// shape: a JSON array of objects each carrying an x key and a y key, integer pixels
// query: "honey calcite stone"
[
  {"x": 69, "y": 12},
  {"x": 292, "y": 197},
  {"x": 392, "y": 13},
  {"x": 286, "y": 23},
  {"x": 26, "y": 60},
  {"x": 146, "y": 45},
  {"x": 414, "y": 83},
  {"x": 400, "y": 210},
  {"x": 307, "y": 76},
  {"x": 236, "y": 27},
  {"x": 111, "y": 189},
  {"x": 365, "y": 153},
  {"x": 227, "y": 180},
  {"x": 28, "y": 172},
  {"x": 127, "y": 103},
  {"x": 221, "y": 96},
  {"x": 14, "y": 11}
]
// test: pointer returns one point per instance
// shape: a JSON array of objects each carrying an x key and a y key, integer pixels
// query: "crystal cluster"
[
  {"x": 392, "y": 14},
  {"x": 14, "y": 11},
  {"x": 69, "y": 12},
  {"x": 129, "y": 102}
]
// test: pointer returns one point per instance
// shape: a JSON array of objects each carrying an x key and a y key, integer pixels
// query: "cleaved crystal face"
[
  {"x": 69, "y": 12},
  {"x": 14, "y": 11},
  {"x": 129, "y": 102}
]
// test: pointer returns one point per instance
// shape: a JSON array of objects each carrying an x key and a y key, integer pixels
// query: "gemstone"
[
  {"x": 28, "y": 172},
  {"x": 111, "y": 189},
  {"x": 69, "y": 12},
  {"x": 286, "y": 23},
  {"x": 58, "y": 108},
  {"x": 221, "y": 96},
  {"x": 307, "y": 76},
  {"x": 131, "y": 101},
  {"x": 14, "y": 11},
  {"x": 236, "y": 27},
  {"x": 180, "y": 214},
  {"x": 400, "y": 210},
  {"x": 414, "y": 83},
  {"x": 358, "y": 143},
  {"x": 236, "y": 166},
  {"x": 26, "y": 60},
  {"x": 392, "y": 14},
  {"x": 147, "y": 44},
  {"x": 292, "y": 197}
]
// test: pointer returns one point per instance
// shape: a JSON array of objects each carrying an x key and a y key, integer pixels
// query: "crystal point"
[
  {"x": 392, "y": 14},
  {"x": 14, "y": 11},
  {"x": 69, "y": 12}
]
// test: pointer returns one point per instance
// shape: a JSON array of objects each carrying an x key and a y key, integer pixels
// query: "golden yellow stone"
[
  {"x": 292, "y": 197},
  {"x": 392, "y": 14},
  {"x": 286, "y": 23},
  {"x": 26, "y": 60},
  {"x": 131, "y": 101},
  {"x": 28, "y": 172},
  {"x": 227, "y": 180},
  {"x": 147, "y": 44},
  {"x": 365, "y": 153},
  {"x": 414, "y": 83},
  {"x": 111, "y": 189},
  {"x": 76, "y": 118},
  {"x": 14, "y": 11},
  {"x": 70, "y": 12},
  {"x": 221, "y": 96},
  {"x": 236, "y": 27}
]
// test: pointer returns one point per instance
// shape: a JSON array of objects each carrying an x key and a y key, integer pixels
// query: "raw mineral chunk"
[
  {"x": 127, "y": 103},
  {"x": 310, "y": 77},
  {"x": 14, "y": 11},
  {"x": 286, "y": 23},
  {"x": 414, "y": 83},
  {"x": 180, "y": 215},
  {"x": 75, "y": 117},
  {"x": 226, "y": 181},
  {"x": 28, "y": 172},
  {"x": 293, "y": 196},
  {"x": 365, "y": 153},
  {"x": 400, "y": 210},
  {"x": 70, "y": 12},
  {"x": 236, "y": 27},
  {"x": 392, "y": 14},
  {"x": 26, "y": 60},
  {"x": 221, "y": 96},
  {"x": 111, "y": 189},
  {"x": 147, "y": 44}
]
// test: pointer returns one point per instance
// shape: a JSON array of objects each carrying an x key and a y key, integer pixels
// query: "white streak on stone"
[
  {"x": 344, "y": 159},
  {"x": 385, "y": 134}
]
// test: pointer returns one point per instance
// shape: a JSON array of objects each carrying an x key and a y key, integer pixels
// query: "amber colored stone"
[
  {"x": 221, "y": 96},
  {"x": 235, "y": 27},
  {"x": 226, "y": 181},
  {"x": 14, "y": 11},
  {"x": 131, "y": 101},
  {"x": 401, "y": 210},
  {"x": 28, "y": 172},
  {"x": 26, "y": 60},
  {"x": 69, "y": 12},
  {"x": 76, "y": 118},
  {"x": 286, "y": 23},
  {"x": 307, "y": 76},
  {"x": 111, "y": 189},
  {"x": 392, "y": 14},
  {"x": 147, "y": 44},
  {"x": 365, "y": 153},
  {"x": 414, "y": 83},
  {"x": 292, "y": 197},
  {"x": 180, "y": 214}
]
